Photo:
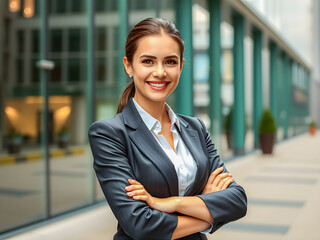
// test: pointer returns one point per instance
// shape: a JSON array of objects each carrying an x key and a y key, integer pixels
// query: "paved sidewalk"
[{"x": 283, "y": 192}]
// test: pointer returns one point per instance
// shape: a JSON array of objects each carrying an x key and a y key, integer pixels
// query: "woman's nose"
[{"x": 159, "y": 72}]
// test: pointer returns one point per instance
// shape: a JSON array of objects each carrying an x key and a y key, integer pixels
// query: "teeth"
[{"x": 157, "y": 84}]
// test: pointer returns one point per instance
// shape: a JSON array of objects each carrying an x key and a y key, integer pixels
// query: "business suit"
[{"x": 124, "y": 148}]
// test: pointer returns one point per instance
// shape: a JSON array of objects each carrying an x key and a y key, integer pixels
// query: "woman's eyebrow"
[
  {"x": 148, "y": 56},
  {"x": 172, "y": 56},
  {"x": 154, "y": 57}
]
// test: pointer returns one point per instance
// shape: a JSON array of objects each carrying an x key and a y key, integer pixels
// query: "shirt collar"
[{"x": 151, "y": 122}]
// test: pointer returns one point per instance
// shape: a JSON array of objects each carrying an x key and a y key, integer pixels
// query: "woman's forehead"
[{"x": 160, "y": 44}]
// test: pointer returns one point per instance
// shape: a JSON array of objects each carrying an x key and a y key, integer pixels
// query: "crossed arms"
[{"x": 196, "y": 217}]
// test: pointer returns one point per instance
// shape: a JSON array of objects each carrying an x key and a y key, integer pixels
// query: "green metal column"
[
  {"x": 90, "y": 89},
  {"x": 184, "y": 91},
  {"x": 122, "y": 37},
  {"x": 285, "y": 95},
  {"x": 289, "y": 95},
  {"x": 280, "y": 90},
  {"x": 215, "y": 70},
  {"x": 257, "y": 83},
  {"x": 90, "y": 63},
  {"x": 308, "y": 91},
  {"x": 44, "y": 79},
  {"x": 273, "y": 81},
  {"x": 238, "y": 118}
]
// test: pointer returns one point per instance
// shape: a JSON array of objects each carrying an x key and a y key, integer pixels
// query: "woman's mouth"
[{"x": 158, "y": 85}]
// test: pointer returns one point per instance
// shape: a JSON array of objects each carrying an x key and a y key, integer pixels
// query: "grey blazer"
[{"x": 124, "y": 148}]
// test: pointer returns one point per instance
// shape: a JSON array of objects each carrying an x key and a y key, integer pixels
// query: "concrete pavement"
[{"x": 283, "y": 200}]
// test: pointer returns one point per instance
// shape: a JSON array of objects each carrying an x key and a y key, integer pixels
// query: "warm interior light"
[
  {"x": 28, "y": 8},
  {"x": 13, "y": 115},
  {"x": 14, "y": 5},
  {"x": 61, "y": 116}
]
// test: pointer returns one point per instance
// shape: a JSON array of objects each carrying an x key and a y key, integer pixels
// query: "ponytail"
[{"x": 127, "y": 93}]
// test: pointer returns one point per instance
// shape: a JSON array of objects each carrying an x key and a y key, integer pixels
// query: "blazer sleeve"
[
  {"x": 226, "y": 205},
  {"x": 113, "y": 170}
]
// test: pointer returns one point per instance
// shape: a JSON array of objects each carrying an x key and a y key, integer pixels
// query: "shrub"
[
  {"x": 267, "y": 123},
  {"x": 312, "y": 124}
]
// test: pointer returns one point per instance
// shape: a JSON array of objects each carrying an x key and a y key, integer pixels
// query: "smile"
[{"x": 157, "y": 84}]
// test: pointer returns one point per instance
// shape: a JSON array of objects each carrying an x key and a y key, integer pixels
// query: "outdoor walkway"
[{"x": 283, "y": 200}]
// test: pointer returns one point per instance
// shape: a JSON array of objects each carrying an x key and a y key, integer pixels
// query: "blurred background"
[{"x": 61, "y": 69}]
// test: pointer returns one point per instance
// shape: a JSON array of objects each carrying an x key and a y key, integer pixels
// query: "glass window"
[
  {"x": 101, "y": 39},
  {"x": 100, "y": 6},
  {"x": 22, "y": 178},
  {"x": 77, "y": 6},
  {"x": 73, "y": 70},
  {"x": 58, "y": 7},
  {"x": 20, "y": 41},
  {"x": 20, "y": 71},
  {"x": 56, "y": 73},
  {"x": 35, "y": 41},
  {"x": 35, "y": 71},
  {"x": 141, "y": 4},
  {"x": 76, "y": 40},
  {"x": 56, "y": 40},
  {"x": 101, "y": 69},
  {"x": 111, "y": 5}
]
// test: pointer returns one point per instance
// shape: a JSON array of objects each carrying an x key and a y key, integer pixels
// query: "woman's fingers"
[
  {"x": 133, "y": 187},
  {"x": 220, "y": 177},
  {"x": 214, "y": 174},
  {"x": 137, "y": 192},
  {"x": 227, "y": 183},
  {"x": 224, "y": 183}
]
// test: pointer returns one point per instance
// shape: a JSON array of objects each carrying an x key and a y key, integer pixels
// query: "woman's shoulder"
[
  {"x": 114, "y": 123},
  {"x": 195, "y": 122}
]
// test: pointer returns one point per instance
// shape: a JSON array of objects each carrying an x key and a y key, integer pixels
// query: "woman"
[{"x": 159, "y": 171}]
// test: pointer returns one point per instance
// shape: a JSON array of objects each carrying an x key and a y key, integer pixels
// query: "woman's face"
[{"x": 156, "y": 67}]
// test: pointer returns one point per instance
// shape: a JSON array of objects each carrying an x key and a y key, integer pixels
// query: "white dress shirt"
[{"x": 181, "y": 158}]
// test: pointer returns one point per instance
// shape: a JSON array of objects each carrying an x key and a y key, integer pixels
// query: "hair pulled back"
[{"x": 147, "y": 27}]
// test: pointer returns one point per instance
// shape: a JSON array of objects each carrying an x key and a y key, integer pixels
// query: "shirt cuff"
[{"x": 208, "y": 230}]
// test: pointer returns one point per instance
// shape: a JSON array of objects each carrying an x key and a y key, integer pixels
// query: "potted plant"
[
  {"x": 14, "y": 141},
  {"x": 267, "y": 130},
  {"x": 312, "y": 128},
  {"x": 63, "y": 137}
]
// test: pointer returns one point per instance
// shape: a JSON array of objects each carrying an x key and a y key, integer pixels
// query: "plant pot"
[
  {"x": 63, "y": 140},
  {"x": 14, "y": 148},
  {"x": 312, "y": 130},
  {"x": 267, "y": 141}
]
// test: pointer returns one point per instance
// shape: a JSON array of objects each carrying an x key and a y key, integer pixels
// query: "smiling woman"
[{"x": 160, "y": 171}]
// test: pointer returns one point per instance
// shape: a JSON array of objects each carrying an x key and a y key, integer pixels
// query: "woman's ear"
[{"x": 127, "y": 66}]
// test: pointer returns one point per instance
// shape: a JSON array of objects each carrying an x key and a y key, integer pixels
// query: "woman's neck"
[{"x": 155, "y": 109}]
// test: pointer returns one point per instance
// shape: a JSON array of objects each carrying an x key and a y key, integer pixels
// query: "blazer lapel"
[
  {"x": 146, "y": 143},
  {"x": 193, "y": 143}
]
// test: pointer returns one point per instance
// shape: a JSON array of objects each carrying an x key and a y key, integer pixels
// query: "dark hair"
[{"x": 147, "y": 27}]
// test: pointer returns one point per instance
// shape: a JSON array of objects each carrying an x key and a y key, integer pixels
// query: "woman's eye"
[
  {"x": 147, "y": 61},
  {"x": 171, "y": 62}
]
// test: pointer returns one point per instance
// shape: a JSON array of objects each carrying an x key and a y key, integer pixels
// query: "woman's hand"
[
  {"x": 217, "y": 181},
  {"x": 137, "y": 191}
]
